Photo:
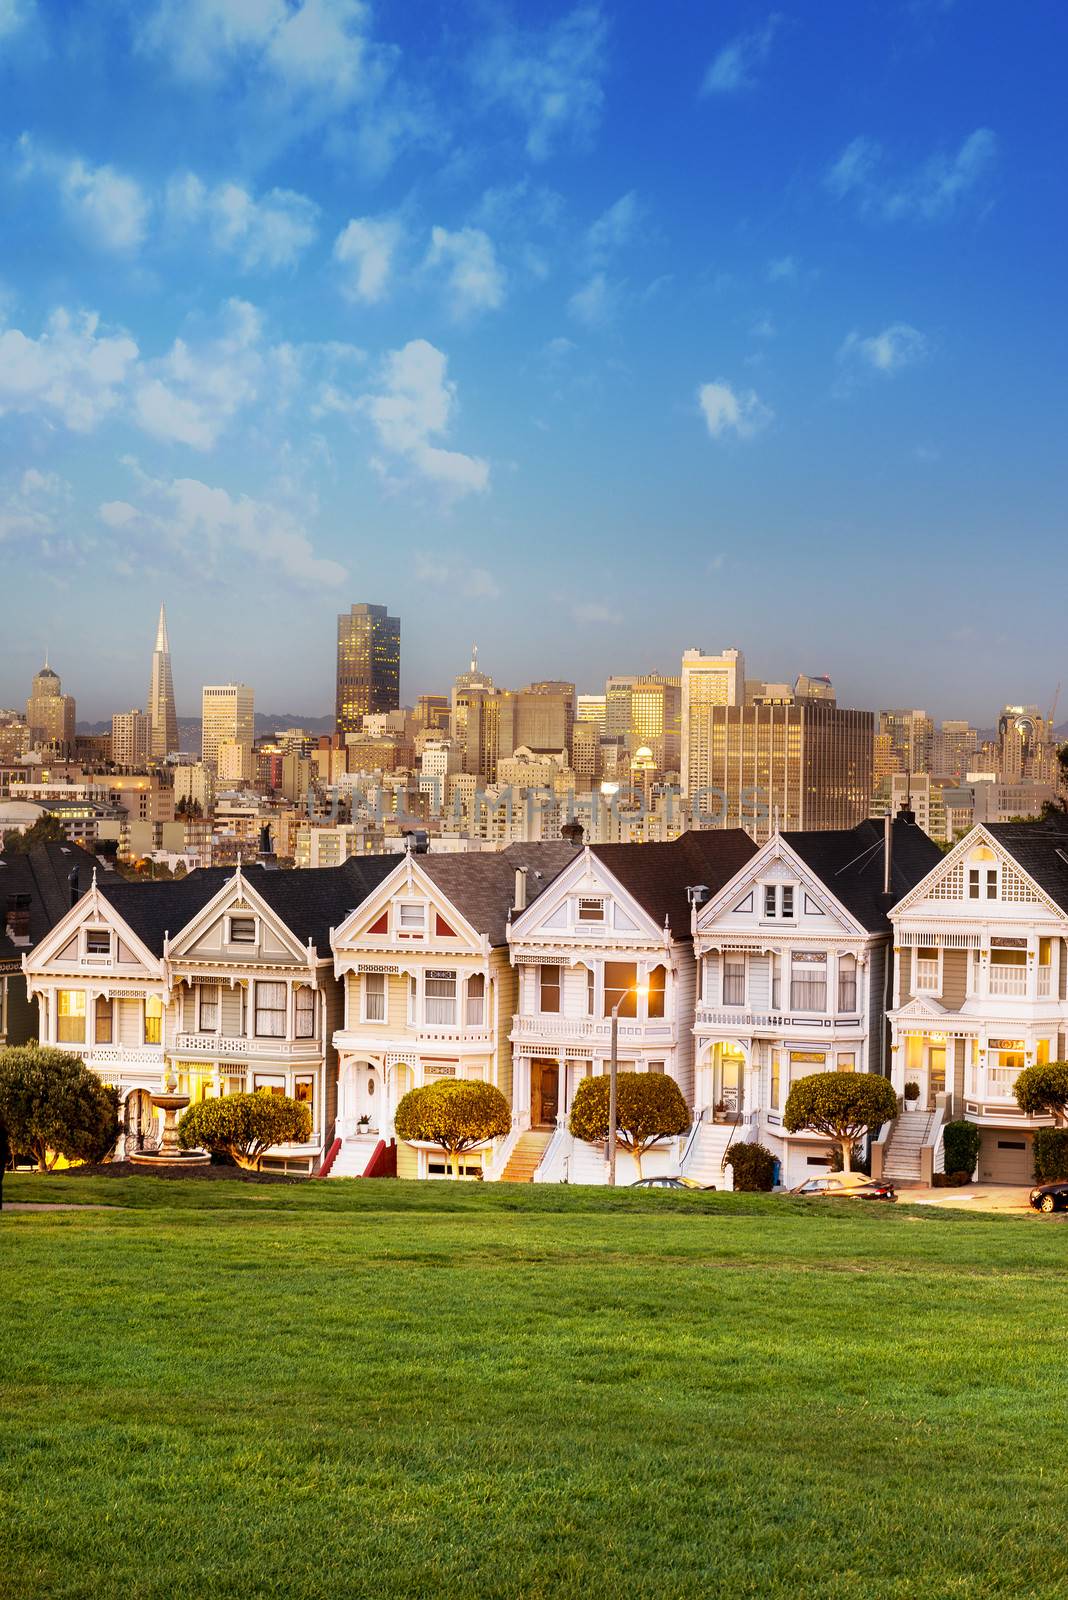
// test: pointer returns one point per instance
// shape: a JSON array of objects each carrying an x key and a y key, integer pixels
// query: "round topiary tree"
[
  {"x": 1042, "y": 1091},
  {"x": 52, "y": 1106},
  {"x": 244, "y": 1126},
  {"x": 752, "y": 1168},
  {"x": 649, "y": 1106},
  {"x": 455, "y": 1114},
  {"x": 843, "y": 1106}
]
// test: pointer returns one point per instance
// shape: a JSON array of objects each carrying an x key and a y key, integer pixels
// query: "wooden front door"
[{"x": 544, "y": 1093}]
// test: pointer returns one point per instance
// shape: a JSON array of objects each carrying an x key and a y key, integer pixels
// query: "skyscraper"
[
  {"x": 368, "y": 665},
  {"x": 129, "y": 738},
  {"x": 50, "y": 713},
  {"x": 706, "y": 681},
  {"x": 162, "y": 716},
  {"x": 227, "y": 717}
]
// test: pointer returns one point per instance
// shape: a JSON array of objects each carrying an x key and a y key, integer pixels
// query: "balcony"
[
  {"x": 545, "y": 1029},
  {"x": 219, "y": 1044}
]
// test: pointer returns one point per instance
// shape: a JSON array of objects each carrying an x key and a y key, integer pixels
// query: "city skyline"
[{"x": 591, "y": 335}]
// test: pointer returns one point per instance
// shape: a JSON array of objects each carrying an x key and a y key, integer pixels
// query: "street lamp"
[{"x": 640, "y": 991}]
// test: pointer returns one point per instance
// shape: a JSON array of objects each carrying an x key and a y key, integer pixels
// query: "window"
[
  {"x": 103, "y": 1029},
  {"x": 847, "y": 1063},
  {"x": 411, "y": 919},
  {"x": 808, "y": 980},
  {"x": 1045, "y": 965},
  {"x": 980, "y": 879},
  {"x": 305, "y": 1012},
  {"x": 776, "y": 982},
  {"x": 591, "y": 991},
  {"x": 476, "y": 1000},
  {"x": 413, "y": 1000},
  {"x": 1008, "y": 972},
  {"x": 733, "y": 980},
  {"x": 787, "y": 899},
  {"x": 374, "y": 997},
  {"x": 153, "y": 1019},
  {"x": 770, "y": 900},
  {"x": 548, "y": 990},
  {"x": 263, "y": 1083},
  {"x": 270, "y": 1010},
  {"x": 657, "y": 981},
  {"x": 776, "y": 1079},
  {"x": 208, "y": 997},
  {"x": 441, "y": 999},
  {"x": 847, "y": 985},
  {"x": 70, "y": 1016},
  {"x": 590, "y": 909},
  {"x": 655, "y": 1066},
  {"x": 97, "y": 942},
  {"x": 304, "y": 1094},
  {"x": 926, "y": 969},
  {"x": 778, "y": 901},
  {"x": 242, "y": 930},
  {"x": 620, "y": 982}
]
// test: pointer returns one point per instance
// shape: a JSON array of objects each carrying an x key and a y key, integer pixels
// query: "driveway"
[{"x": 973, "y": 1196}]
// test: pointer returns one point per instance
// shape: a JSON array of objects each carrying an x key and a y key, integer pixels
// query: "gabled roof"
[
  {"x": 657, "y": 875},
  {"x": 1041, "y": 850},
  {"x": 481, "y": 884},
  {"x": 849, "y": 862},
  {"x": 42, "y": 874}
]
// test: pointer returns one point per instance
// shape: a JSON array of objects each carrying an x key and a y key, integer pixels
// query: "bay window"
[
  {"x": 549, "y": 990},
  {"x": 808, "y": 980},
  {"x": 208, "y": 997},
  {"x": 441, "y": 999},
  {"x": 305, "y": 1011},
  {"x": 270, "y": 1013},
  {"x": 153, "y": 1019},
  {"x": 847, "y": 984},
  {"x": 733, "y": 979},
  {"x": 103, "y": 1029},
  {"x": 70, "y": 1016},
  {"x": 620, "y": 984},
  {"x": 657, "y": 981},
  {"x": 476, "y": 1000},
  {"x": 374, "y": 997}
]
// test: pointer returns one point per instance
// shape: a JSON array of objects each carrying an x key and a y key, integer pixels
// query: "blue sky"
[{"x": 587, "y": 333}]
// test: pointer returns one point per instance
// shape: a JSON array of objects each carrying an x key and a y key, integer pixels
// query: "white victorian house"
[
  {"x": 429, "y": 993},
  {"x": 794, "y": 959},
  {"x": 613, "y": 929},
  {"x": 981, "y": 990}
]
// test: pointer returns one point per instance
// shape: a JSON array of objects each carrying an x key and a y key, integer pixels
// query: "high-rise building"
[
  {"x": 953, "y": 750},
  {"x": 911, "y": 735},
  {"x": 227, "y": 713},
  {"x": 130, "y": 731},
  {"x": 368, "y": 665},
  {"x": 50, "y": 714},
  {"x": 706, "y": 681},
  {"x": 161, "y": 713},
  {"x": 617, "y": 697},
  {"x": 544, "y": 717},
  {"x": 592, "y": 708},
  {"x": 655, "y": 720}
]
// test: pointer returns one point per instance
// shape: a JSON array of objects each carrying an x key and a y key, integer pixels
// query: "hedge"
[
  {"x": 1050, "y": 1150},
  {"x": 752, "y": 1167},
  {"x": 960, "y": 1143}
]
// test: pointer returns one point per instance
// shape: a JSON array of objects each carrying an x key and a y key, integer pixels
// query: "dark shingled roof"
[
  {"x": 42, "y": 876},
  {"x": 308, "y": 900},
  {"x": 658, "y": 875},
  {"x": 1041, "y": 849},
  {"x": 849, "y": 861},
  {"x": 481, "y": 884}
]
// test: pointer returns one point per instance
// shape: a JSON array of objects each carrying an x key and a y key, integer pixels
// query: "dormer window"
[
  {"x": 98, "y": 942},
  {"x": 591, "y": 908},
  {"x": 778, "y": 901},
  {"x": 242, "y": 930},
  {"x": 411, "y": 919}
]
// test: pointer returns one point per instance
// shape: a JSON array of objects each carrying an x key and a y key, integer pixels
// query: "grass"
[{"x": 391, "y": 1389}]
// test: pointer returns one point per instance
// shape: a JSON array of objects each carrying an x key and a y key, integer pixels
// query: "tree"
[
  {"x": 649, "y": 1106},
  {"x": 455, "y": 1114},
  {"x": 245, "y": 1126},
  {"x": 752, "y": 1167},
  {"x": 52, "y": 1105},
  {"x": 843, "y": 1106},
  {"x": 46, "y": 830},
  {"x": 1042, "y": 1091}
]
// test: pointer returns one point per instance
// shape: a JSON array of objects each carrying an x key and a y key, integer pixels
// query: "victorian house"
[
  {"x": 794, "y": 971},
  {"x": 37, "y": 887},
  {"x": 224, "y": 980},
  {"x": 429, "y": 993},
  {"x": 980, "y": 992},
  {"x": 610, "y": 935}
]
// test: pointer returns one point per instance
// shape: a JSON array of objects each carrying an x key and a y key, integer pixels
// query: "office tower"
[
  {"x": 592, "y": 708},
  {"x": 953, "y": 750},
  {"x": 586, "y": 753},
  {"x": 617, "y": 697},
  {"x": 226, "y": 715},
  {"x": 368, "y": 665},
  {"x": 706, "y": 681},
  {"x": 655, "y": 720},
  {"x": 544, "y": 717},
  {"x": 130, "y": 733},
  {"x": 161, "y": 713},
  {"x": 819, "y": 687},
  {"x": 472, "y": 719},
  {"x": 1025, "y": 745},
  {"x": 911, "y": 736},
  {"x": 801, "y": 766},
  {"x": 432, "y": 712},
  {"x": 50, "y": 714}
]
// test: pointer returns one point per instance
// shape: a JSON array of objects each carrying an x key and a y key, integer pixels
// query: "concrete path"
[{"x": 973, "y": 1196}]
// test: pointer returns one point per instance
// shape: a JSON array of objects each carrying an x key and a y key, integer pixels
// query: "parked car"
[
  {"x": 674, "y": 1181},
  {"x": 1051, "y": 1196},
  {"x": 845, "y": 1186}
]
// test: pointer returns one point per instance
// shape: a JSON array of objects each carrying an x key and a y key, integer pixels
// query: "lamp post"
[{"x": 640, "y": 990}]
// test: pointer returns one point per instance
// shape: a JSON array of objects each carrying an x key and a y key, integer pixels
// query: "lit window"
[
  {"x": 620, "y": 983},
  {"x": 655, "y": 1000},
  {"x": 70, "y": 1016},
  {"x": 153, "y": 1019},
  {"x": 304, "y": 1093}
]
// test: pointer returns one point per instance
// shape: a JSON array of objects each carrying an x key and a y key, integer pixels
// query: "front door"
[
  {"x": 544, "y": 1093},
  {"x": 936, "y": 1074}
]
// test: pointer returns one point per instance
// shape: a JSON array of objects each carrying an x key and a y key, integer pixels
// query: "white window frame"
[
  {"x": 230, "y": 924},
  {"x": 298, "y": 1010},
  {"x": 471, "y": 1018},
  {"x": 366, "y": 996},
  {"x": 735, "y": 958},
  {"x": 415, "y": 929},
  {"x": 200, "y": 991},
  {"x": 441, "y": 975},
  {"x": 819, "y": 966},
  {"x": 598, "y": 900},
  {"x": 846, "y": 1011},
  {"x": 97, "y": 955},
  {"x": 926, "y": 988},
  {"x": 271, "y": 983}
]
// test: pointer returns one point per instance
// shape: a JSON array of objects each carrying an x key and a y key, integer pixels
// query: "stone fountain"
[{"x": 170, "y": 1152}]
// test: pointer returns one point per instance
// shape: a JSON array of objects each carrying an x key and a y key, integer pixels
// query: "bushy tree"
[
  {"x": 843, "y": 1106},
  {"x": 1042, "y": 1091},
  {"x": 51, "y": 1105},
  {"x": 454, "y": 1114},
  {"x": 46, "y": 830},
  {"x": 244, "y": 1126},
  {"x": 960, "y": 1147},
  {"x": 649, "y": 1106},
  {"x": 752, "y": 1168},
  {"x": 1050, "y": 1150}
]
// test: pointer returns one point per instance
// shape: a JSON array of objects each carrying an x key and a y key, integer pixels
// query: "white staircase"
[
  {"x": 356, "y": 1151},
  {"x": 911, "y": 1131},
  {"x": 586, "y": 1163},
  {"x": 703, "y": 1161}
]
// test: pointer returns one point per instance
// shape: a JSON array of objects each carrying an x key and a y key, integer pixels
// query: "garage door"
[{"x": 1006, "y": 1158}]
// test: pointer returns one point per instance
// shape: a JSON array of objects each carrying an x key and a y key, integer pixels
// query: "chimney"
[
  {"x": 888, "y": 851},
  {"x": 73, "y": 891},
  {"x": 520, "y": 888}
]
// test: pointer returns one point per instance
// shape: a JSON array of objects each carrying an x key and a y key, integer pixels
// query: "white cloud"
[
  {"x": 898, "y": 346},
  {"x": 14, "y": 14},
  {"x": 452, "y": 572},
  {"x": 72, "y": 374},
  {"x": 613, "y": 229},
  {"x": 854, "y": 167},
  {"x": 737, "y": 64},
  {"x": 271, "y": 232},
  {"x": 474, "y": 278},
  {"x": 204, "y": 527},
  {"x": 414, "y": 406},
  {"x": 108, "y": 207},
  {"x": 597, "y": 302},
  {"x": 595, "y": 611},
  {"x": 550, "y": 78},
  {"x": 189, "y": 395},
  {"x": 365, "y": 248},
  {"x": 726, "y": 410},
  {"x": 934, "y": 191},
  {"x": 29, "y": 504}
]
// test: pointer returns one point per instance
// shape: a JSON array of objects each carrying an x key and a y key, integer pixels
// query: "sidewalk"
[{"x": 974, "y": 1196}]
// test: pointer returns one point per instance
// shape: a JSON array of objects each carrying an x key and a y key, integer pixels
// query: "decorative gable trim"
[
  {"x": 947, "y": 880},
  {"x": 237, "y": 894},
  {"x": 776, "y": 862}
]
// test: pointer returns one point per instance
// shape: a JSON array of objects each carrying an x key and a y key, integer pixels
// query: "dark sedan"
[
  {"x": 671, "y": 1182},
  {"x": 1051, "y": 1196}
]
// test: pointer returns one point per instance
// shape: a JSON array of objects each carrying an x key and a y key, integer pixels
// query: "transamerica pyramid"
[{"x": 162, "y": 716}]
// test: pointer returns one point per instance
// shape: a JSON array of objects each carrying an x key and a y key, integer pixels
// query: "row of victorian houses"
[{"x": 732, "y": 968}]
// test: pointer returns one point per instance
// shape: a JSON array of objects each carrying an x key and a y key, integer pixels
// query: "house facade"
[
  {"x": 981, "y": 988},
  {"x": 793, "y": 959}
]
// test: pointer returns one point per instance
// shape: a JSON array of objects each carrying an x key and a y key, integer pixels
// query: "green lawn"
[{"x": 390, "y": 1389}]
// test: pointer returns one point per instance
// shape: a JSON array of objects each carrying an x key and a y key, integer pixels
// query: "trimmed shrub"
[
  {"x": 649, "y": 1106},
  {"x": 1042, "y": 1090},
  {"x": 454, "y": 1114},
  {"x": 1050, "y": 1151},
  {"x": 843, "y": 1106},
  {"x": 52, "y": 1105},
  {"x": 244, "y": 1126},
  {"x": 752, "y": 1167},
  {"x": 961, "y": 1142}
]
